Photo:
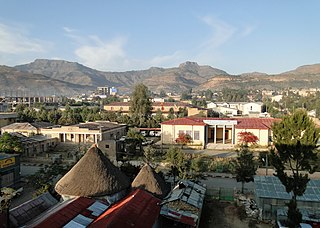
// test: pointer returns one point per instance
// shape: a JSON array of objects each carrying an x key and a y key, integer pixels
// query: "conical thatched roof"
[
  {"x": 150, "y": 181},
  {"x": 93, "y": 175}
]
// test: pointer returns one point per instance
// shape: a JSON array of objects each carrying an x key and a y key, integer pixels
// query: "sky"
[{"x": 238, "y": 36}]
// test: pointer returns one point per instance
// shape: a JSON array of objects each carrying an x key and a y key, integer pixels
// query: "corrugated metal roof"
[
  {"x": 175, "y": 205},
  {"x": 242, "y": 123},
  {"x": 29, "y": 210},
  {"x": 184, "y": 121},
  {"x": 138, "y": 209},
  {"x": 271, "y": 187},
  {"x": 79, "y": 212}
]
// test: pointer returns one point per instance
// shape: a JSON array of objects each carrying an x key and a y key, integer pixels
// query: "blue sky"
[{"x": 238, "y": 36}]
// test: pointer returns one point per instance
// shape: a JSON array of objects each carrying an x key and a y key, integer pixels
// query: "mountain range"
[{"x": 59, "y": 77}]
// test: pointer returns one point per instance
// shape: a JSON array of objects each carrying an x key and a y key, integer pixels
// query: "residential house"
[
  {"x": 206, "y": 130},
  {"x": 251, "y": 109},
  {"x": 35, "y": 144}
]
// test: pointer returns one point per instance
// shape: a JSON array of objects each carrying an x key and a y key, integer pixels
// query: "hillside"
[
  {"x": 15, "y": 82},
  {"x": 302, "y": 77},
  {"x": 177, "y": 79},
  {"x": 187, "y": 75}
]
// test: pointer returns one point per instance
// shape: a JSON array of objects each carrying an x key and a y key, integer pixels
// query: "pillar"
[{"x": 224, "y": 134}]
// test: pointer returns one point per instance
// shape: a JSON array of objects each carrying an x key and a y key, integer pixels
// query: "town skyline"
[{"x": 268, "y": 37}]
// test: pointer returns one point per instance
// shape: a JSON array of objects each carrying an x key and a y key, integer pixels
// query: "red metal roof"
[
  {"x": 138, "y": 209},
  {"x": 168, "y": 104},
  {"x": 67, "y": 213},
  {"x": 243, "y": 123},
  {"x": 185, "y": 121},
  {"x": 255, "y": 123}
]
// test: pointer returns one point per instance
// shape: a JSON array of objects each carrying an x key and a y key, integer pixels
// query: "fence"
[{"x": 226, "y": 194}]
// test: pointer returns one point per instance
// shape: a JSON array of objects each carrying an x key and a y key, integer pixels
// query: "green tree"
[
  {"x": 197, "y": 166},
  {"x": 178, "y": 162},
  {"x": 171, "y": 114},
  {"x": 10, "y": 144},
  {"x": 140, "y": 105},
  {"x": 149, "y": 153},
  {"x": 136, "y": 139},
  {"x": 295, "y": 139},
  {"x": 245, "y": 166}
]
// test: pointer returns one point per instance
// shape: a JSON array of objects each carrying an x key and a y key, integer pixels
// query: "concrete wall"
[
  {"x": 262, "y": 134},
  {"x": 169, "y": 133}
]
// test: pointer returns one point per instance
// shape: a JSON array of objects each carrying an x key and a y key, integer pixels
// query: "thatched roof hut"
[
  {"x": 93, "y": 176},
  {"x": 147, "y": 179}
]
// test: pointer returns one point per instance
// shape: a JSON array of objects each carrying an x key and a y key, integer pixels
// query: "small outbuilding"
[
  {"x": 271, "y": 195},
  {"x": 183, "y": 204}
]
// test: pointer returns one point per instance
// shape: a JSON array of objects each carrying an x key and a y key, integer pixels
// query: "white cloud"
[
  {"x": 103, "y": 55},
  {"x": 111, "y": 55},
  {"x": 168, "y": 60},
  {"x": 17, "y": 41},
  {"x": 221, "y": 32}
]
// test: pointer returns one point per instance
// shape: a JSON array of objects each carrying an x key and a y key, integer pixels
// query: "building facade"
[
  {"x": 90, "y": 132},
  {"x": 164, "y": 107},
  {"x": 205, "y": 131},
  {"x": 9, "y": 169}
]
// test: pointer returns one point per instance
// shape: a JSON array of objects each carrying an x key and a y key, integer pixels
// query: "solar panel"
[{"x": 271, "y": 187}]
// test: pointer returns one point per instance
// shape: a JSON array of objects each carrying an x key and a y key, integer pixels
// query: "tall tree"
[
  {"x": 178, "y": 162},
  {"x": 245, "y": 166},
  {"x": 140, "y": 105},
  {"x": 295, "y": 139}
]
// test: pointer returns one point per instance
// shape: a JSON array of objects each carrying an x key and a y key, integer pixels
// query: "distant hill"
[
  {"x": 177, "y": 79},
  {"x": 187, "y": 75},
  {"x": 302, "y": 77},
  {"x": 15, "y": 82}
]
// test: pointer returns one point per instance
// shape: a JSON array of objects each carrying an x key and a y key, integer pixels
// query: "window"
[
  {"x": 107, "y": 145},
  {"x": 181, "y": 132},
  {"x": 196, "y": 135},
  {"x": 189, "y": 133}
]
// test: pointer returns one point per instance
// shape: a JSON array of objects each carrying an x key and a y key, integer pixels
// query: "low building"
[
  {"x": 35, "y": 144},
  {"x": 251, "y": 109},
  {"x": 183, "y": 204},
  {"x": 90, "y": 132},
  {"x": 9, "y": 169},
  {"x": 271, "y": 195},
  {"x": 27, "y": 129},
  {"x": 206, "y": 130},
  {"x": 164, "y": 107}
]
